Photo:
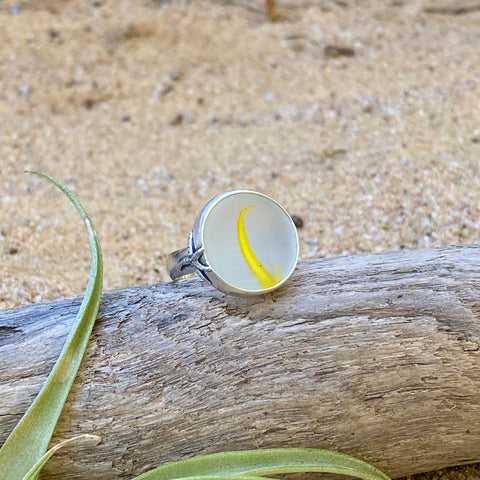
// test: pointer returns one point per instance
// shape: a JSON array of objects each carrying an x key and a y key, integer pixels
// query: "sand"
[{"x": 361, "y": 117}]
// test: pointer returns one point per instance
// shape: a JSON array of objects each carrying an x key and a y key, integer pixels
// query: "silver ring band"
[
  {"x": 179, "y": 264},
  {"x": 186, "y": 261}
]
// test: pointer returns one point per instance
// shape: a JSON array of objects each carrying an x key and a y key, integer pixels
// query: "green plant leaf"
[
  {"x": 29, "y": 440},
  {"x": 35, "y": 470},
  {"x": 221, "y": 477},
  {"x": 236, "y": 465}
]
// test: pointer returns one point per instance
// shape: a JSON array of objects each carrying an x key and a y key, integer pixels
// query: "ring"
[{"x": 242, "y": 242}]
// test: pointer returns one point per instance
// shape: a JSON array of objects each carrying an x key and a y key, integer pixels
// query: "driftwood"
[
  {"x": 453, "y": 7},
  {"x": 376, "y": 355}
]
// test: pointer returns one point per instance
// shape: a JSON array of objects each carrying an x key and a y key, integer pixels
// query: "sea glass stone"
[{"x": 250, "y": 242}]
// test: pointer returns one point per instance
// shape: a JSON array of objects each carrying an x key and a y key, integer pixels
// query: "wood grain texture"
[
  {"x": 375, "y": 355},
  {"x": 452, "y": 7}
]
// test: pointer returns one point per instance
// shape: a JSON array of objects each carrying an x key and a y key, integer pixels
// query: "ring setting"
[{"x": 242, "y": 242}]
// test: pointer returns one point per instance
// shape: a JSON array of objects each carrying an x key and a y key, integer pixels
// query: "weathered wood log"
[
  {"x": 452, "y": 7},
  {"x": 376, "y": 355}
]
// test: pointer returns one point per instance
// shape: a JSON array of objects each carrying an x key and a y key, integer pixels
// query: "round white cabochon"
[{"x": 267, "y": 234}]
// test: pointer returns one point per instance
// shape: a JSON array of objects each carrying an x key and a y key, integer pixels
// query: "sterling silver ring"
[{"x": 242, "y": 242}]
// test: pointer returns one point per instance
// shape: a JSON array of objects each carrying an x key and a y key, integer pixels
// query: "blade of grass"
[
  {"x": 230, "y": 465},
  {"x": 29, "y": 440}
]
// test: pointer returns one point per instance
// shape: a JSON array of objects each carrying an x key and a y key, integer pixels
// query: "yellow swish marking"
[{"x": 264, "y": 276}]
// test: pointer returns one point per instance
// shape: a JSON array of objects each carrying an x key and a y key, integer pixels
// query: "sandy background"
[{"x": 146, "y": 109}]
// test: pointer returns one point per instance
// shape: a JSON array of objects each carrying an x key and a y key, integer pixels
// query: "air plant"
[{"x": 25, "y": 451}]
